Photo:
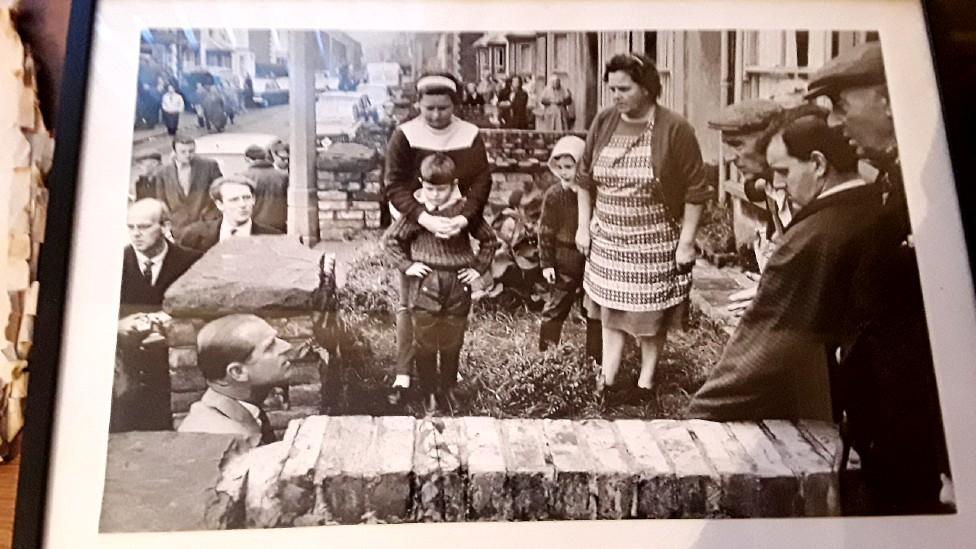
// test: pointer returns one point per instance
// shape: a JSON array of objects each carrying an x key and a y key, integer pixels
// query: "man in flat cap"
[
  {"x": 886, "y": 384},
  {"x": 270, "y": 189},
  {"x": 147, "y": 162},
  {"x": 234, "y": 197},
  {"x": 775, "y": 364}
]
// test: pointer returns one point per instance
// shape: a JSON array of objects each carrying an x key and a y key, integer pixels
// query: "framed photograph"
[{"x": 559, "y": 274}]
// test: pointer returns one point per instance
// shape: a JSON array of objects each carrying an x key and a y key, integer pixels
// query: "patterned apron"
[{"x": 631, "y": 266}]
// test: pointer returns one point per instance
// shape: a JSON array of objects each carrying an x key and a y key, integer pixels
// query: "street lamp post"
[{"x": 303, "y": 216}]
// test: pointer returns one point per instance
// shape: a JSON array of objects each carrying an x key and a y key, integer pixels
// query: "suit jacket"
[
  {"x": 270, "y": 193},
  {"x": 775, "y": 364},
  {"x": 184, "y": 208},
  {"x": 136, "y": 293},
  {"x": 220, "y": 414},
  {"x": 202, "y": 236}
]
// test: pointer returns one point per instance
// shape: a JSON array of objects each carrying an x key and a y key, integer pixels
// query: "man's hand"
[
  {"x": 468, "y": 275},
  {"x": 685, "y": 257},
  {"x": 583, "y": 239},
  {"x": 549, "y": 273},
  {"x": 418, "y": 270},
  {"x": 740, "y": 301},
  {"x": 135, "y": 325}
]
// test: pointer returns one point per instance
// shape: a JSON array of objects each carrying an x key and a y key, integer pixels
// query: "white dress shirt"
[
  {"x": 157, "y": 261},
  {"x": 241, "y": 230}
]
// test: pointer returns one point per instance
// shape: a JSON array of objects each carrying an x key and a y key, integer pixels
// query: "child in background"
[
  {"x": 441, "y": 272},
  {"x": 562, "y": 264}
]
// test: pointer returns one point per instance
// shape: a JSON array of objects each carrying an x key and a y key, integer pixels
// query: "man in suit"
[
  {"x": 150, "y": 265},
  {"x": 242, "y": 358},
  {"x": 234, "y": 198},
  {"x": 775, "y": 366},
  {"x": 183, "y": 185},
  {"x": 271, "y": 189},
  {"x": 887, "y": 386}
]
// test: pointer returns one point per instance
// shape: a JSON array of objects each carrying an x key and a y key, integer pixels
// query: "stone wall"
[
  {"x": 349, "y": 186},
  {"x": 356, "y": 469},
  {"x": 273, "y": 277}
]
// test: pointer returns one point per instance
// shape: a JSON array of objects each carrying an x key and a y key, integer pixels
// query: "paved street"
[{"x": 273, "y": 120}]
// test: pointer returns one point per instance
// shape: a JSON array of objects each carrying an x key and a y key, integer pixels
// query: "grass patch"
[{"x": 504, "y": 374}]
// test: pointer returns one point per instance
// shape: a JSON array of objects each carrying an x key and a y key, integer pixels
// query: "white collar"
[
  {"x": 157, "y": 259},
  {"x": 845, "y": 186},
  {"x": 459, "y": 134},
  {"x": 242, "y": 230},
  {"x": 251, "y": 409},
  {"x": 418, "y": 195}
]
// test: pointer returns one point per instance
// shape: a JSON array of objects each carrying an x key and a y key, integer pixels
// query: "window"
[
  {"x": 498, "y": 59},
  {"x": 560, "y": 52},
  {"x": 523, "y": 58},
  {"x": 218, "y": 59}
]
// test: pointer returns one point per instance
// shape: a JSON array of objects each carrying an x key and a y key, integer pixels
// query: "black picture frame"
[{"x": 53, "y": 269}]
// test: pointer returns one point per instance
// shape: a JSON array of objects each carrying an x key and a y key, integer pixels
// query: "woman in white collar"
[{"x": 436, "y": 129}]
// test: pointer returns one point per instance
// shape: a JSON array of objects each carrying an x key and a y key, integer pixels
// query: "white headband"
[{"x": 436, "y": 81}]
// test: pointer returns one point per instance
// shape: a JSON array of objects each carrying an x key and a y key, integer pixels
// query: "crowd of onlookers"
[{"x": 518, "y": 102}]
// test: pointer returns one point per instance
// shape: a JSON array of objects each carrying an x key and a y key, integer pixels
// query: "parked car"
[
  {"x": 270, "y": 85},
  {"x": 228, "y": 148},
  {"x": 338, "y": 115}
]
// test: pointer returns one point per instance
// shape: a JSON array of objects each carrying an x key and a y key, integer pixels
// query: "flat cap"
[
  {"x": 148, "y": 155},
  {"x": 861, "y": 65},
  {"x": 746, "y": 116},
  {"x": 256, "y": 152}
]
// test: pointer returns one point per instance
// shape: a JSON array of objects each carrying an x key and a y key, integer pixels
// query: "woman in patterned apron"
[{"x": 643, "y": 168}]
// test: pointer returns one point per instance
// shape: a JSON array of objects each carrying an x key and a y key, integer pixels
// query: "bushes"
[{"x": 504, "y": 374}]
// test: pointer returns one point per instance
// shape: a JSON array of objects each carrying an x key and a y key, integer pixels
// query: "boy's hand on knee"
[
  {"x": 549, "y": 273},
  {"x": 468, "y": 275},
  {"x": 418, "y": 270}
]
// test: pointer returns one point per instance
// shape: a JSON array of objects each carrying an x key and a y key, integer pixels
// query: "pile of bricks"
[{"x": 349, "y": 183}]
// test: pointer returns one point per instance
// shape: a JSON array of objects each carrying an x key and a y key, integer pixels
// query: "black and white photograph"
[
  {"x": 355, "y": 279},
  {"x": 530, "y": 276}
]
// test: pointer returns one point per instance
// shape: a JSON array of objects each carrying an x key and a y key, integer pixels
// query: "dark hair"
[
  {"x": 805, "y": 132},
  {"x": 183, "y": 139},
  {"x": 237, "y": 179},
  {"x": 640, "y": 68},
  {"x": 438, "y": 169},
  {"x": 440, "y": 90},
  {"x": 219, "y": 344},
  {"x": 512, "y": 78}
]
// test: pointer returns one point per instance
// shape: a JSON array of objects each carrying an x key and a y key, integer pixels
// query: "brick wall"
[{"x": 353, "y": 469}]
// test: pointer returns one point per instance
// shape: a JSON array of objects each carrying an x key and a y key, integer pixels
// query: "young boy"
[
  {"x": 439, "y": 271},
  {"x": 562, "y": 264}
]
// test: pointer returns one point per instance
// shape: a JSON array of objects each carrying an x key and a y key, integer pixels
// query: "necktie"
[
  {"x": 147, "y": 272},
  {"x": 267, "y": 432}
]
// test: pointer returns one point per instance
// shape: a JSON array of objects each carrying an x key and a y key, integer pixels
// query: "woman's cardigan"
[{"x": 675, "y": 155}]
